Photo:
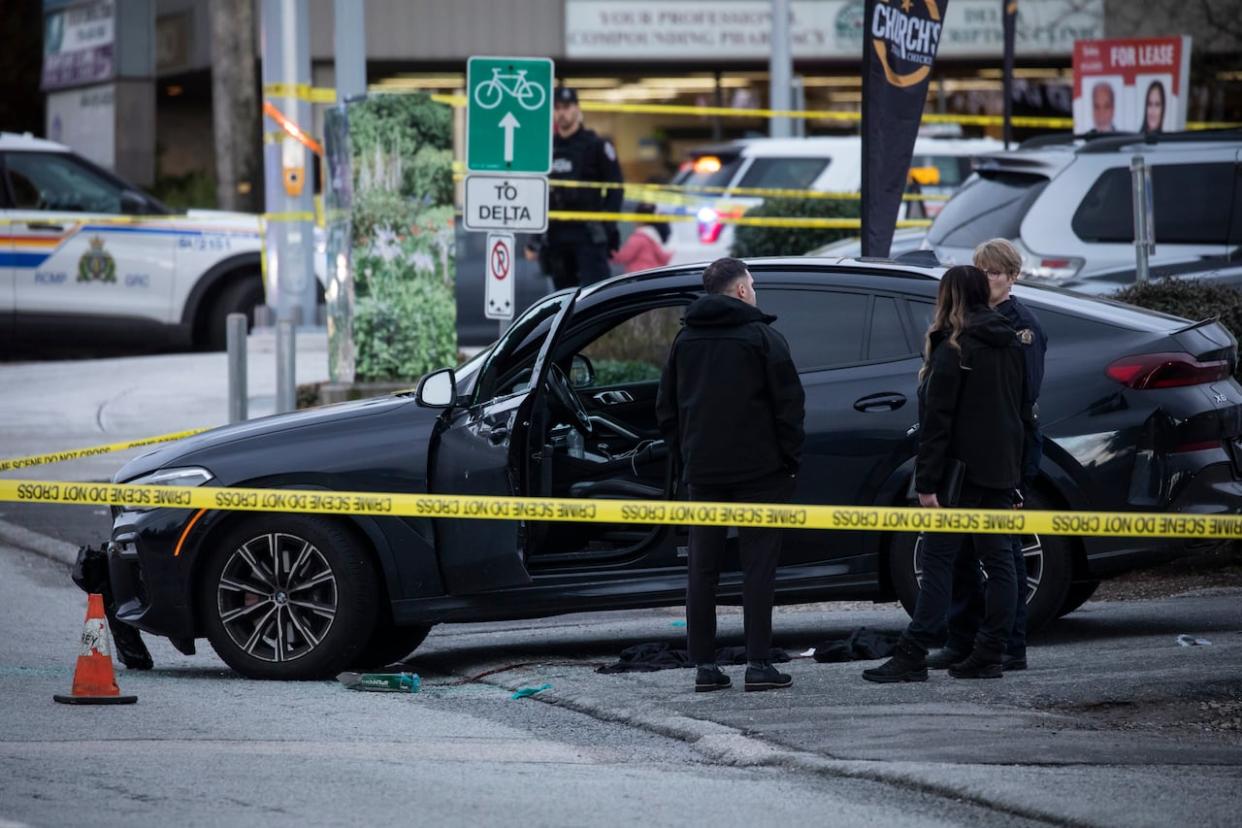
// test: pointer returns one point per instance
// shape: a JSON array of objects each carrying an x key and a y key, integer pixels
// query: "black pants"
[
  {"x": 759, "y": 550},
  {"x": 577, "y": 263},
  {"x": 940, "y": 553},
  {"x": 967, "y": 608}
]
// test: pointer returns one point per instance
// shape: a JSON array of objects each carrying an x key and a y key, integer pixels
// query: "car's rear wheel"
[
  {"x": 241, "y": 295},
  {"x": 1048, "y": 569},
  {"x": 288, "y": 597},
  {"x": 1078, "y": 595},
  {"x": 390, "y": 644}
]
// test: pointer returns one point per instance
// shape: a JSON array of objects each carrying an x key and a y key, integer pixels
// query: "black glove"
[{"x": 614, "y": 236}]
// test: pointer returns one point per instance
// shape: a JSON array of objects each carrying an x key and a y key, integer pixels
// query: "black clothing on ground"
[
  {"x": 861, "y": 644},
  {"x": 730, "y": 398},
  {"x": 940, "y": 551},
  {"x": 648, "y": 658},
  {"x": 1034, "y": 347},
  {"x": 576, "y": 252},
  {"x": 759, "y": 551},
  {"x": 970, "y": 403}
]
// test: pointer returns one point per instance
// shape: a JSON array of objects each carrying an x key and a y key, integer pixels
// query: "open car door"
[{"x": 479, "y": 450}]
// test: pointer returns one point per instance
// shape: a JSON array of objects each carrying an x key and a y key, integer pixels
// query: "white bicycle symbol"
[{"x": 490, "y": 93}]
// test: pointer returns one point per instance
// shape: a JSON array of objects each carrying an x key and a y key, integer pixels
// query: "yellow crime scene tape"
[
  {"x": 92, "y": 451},
  {"x": 670, "y": 513},
  {"x": 323, "y": 95},
  {"x": 745, "y": 221}
]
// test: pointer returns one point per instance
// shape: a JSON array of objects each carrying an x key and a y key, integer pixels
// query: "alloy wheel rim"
[
  {"x": 1032, "y": 554},
  {"x": 277, "y": 597}
]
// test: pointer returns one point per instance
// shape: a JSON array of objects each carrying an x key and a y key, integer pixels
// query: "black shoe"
[
  {"x": 711, "y": 678},
  {"x": 766, "y": 677},
  {"x": 907, "y": 664},
  {"x": 944, "y": 659},
  {"x": 975, "y": 666},
  {"x": 1013, "y": 662}
]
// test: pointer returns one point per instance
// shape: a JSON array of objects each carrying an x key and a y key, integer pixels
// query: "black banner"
[
  {"x": 1009, "y": 20},
  {"x": 899, "y": 47}
]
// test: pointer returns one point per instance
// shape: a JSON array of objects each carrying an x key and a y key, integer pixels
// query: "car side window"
[
  {"x": 1106, "y": 213},
  {"x": 508, "y": 367},
  {"x": 824, "y": 328},
  {"x": 636, "y": 349},
  {"x": 784, "y": 173},
  {"x": 56, "y": 181},
  {"x": 887, "y": 339}
]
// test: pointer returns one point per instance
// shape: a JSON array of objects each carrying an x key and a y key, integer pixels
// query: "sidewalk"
[{"x": 52, "y": 406}]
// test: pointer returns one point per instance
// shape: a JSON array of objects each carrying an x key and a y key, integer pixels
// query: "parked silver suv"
[{"x": 1066, "y": 202}]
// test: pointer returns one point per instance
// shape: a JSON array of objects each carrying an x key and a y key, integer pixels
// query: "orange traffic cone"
[{"x": 93, "y": 681}]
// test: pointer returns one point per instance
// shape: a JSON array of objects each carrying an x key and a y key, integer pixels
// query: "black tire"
[
  {"x": 323, "y": 602},
  {"x": 1049, "y": 562},
  {"x": 390, "y": 644},
  {"x": 1077, "y": 595},
  {"x": 241, "y": 295}
]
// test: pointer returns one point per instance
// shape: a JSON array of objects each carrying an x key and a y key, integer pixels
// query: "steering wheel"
[{"x": 563, "y": 393}]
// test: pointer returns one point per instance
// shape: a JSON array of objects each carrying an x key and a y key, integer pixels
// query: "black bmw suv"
[{"x": 1139, "y": 409}]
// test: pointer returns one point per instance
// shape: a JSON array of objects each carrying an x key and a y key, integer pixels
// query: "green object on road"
[
  {"x": 509, "y": 115},
  {"x": 527, "y": 692},
  {"x": 382, "y": 682}
]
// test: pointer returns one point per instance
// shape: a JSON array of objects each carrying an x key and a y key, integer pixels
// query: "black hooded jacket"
[
  {"x": 971, "y": 408},
  {"x": 730, "y": 399}
]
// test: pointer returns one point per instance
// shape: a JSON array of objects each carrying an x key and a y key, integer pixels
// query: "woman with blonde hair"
[{"x": 969, "y": 455}]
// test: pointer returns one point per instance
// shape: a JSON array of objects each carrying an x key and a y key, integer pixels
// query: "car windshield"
[
  {"x": 991, "y": 205},
  {"x": 710, "y": 170}
]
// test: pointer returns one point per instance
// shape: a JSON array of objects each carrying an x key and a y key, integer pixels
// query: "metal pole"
[
  {"x": 1144, "y": 217},
  {"x": 780, "y": 68},
  {"x": 235, "y": 332},
  {"x": 286, "y": 366},
  {"x": 350, "y": 43},
  {"x": 799, "y": 103},
  {"x": 288, "y": 171}
]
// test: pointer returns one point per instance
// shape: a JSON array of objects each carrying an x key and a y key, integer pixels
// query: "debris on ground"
[
  {"x": 527, "y": 692},
  {"x": 382, "y": 682}
]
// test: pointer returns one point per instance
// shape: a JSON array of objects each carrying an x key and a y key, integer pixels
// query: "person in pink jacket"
[{"x": 644, "y": 249}]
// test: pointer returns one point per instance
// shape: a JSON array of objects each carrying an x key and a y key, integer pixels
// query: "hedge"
[
  {"x": 1191, "y": 299},
  {"x": 792, "y": 241}
]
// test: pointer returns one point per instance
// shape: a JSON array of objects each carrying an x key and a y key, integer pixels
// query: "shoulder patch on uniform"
[
  {"x": 610, "y": 151},
  {"x": 1026, "y": 336}
]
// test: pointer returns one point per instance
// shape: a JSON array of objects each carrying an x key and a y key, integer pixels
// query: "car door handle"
[
  {"x": 44, "y": 225},
  {"x": 614, "y": 397},
  {"x": 880, "y": 402}
]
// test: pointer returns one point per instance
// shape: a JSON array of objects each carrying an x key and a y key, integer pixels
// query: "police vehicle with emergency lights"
[{"x": 85, "y": 254}]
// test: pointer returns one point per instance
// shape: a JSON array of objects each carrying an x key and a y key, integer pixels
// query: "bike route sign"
[{"x": 509, "y": 115}]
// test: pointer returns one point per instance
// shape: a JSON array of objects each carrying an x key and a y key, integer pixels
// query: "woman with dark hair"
[
  {"x": 1153, "y": 109},
  {"x": 969, "y": 455}
]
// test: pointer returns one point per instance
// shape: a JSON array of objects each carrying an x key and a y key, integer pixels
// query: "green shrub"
[
  {"x": 1191, "y": 299},
  {"x": 620, "y": 371},
  {"x": 194, "y": 190},
  {"x": 792, "y": 241},
  {"x": 409, "y": 326}
]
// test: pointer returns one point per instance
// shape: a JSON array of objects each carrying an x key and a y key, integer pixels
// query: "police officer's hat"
[{"x": 565, "y": 95}]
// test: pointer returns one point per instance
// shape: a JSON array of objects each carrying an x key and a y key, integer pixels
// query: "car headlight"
[{"x": 187, "y": 476}]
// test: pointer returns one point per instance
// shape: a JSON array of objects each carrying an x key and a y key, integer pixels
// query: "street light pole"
[{"x": 780, "y": 69}]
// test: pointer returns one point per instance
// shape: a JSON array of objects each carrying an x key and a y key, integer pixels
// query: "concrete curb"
[
  {"x": 729, "y": 746},
  {"x": 31, "y": 541}
]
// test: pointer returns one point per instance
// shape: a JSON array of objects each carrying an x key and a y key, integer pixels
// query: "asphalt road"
[
  {"x": 1114, "y": 724},
  {"x": 203, "y": 746}
]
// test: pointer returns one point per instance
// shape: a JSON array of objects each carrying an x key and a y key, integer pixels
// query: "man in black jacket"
[
  {"x": 731, "y": 402},
  {"x": 576, "y": 252}
]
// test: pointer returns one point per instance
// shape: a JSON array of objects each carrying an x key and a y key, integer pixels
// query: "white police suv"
[{"x": 83, "y": 254}]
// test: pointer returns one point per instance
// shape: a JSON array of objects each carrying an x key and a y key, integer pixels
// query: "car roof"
[
  {"x": 15, "y": 141},
  {"x": 1052, "y": 153},
  {"x": 1040, "y": 297},
  {"x": 798, "y": 147}
]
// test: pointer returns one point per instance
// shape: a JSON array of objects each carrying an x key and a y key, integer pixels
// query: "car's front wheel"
[
  {"x": 1048, "y": 570},
  {"x": 288, "y": 597}
]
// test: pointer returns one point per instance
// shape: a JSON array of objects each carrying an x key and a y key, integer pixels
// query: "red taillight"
[
  {"x": 1197, "y": 445},
  {"x": 1144, "y": 371}
]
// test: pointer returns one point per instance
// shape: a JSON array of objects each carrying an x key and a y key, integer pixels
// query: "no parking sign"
[{"x": 498, "y": 295}]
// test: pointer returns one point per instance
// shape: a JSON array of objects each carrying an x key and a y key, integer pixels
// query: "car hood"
[{"x": 239, "y": 437}]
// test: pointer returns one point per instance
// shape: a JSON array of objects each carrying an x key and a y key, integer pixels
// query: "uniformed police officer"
[
  {"x": 577, "y": 252},
  {"x": 1001, "y": 261}
]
